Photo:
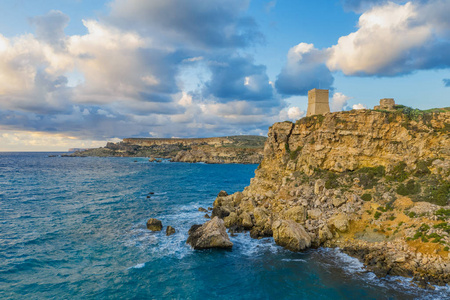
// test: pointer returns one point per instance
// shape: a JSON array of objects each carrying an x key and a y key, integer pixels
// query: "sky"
[{"x": 78, "y": 73}]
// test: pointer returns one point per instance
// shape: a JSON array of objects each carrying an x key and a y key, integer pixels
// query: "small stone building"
[
  {"x": 318, "y": 102},
  {"x": 386, "y": 104}
]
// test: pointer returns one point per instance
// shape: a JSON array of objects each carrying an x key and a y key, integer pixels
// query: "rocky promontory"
[
  {"x": 375, "y": 183},
  {"x": 245, "y": 149}
]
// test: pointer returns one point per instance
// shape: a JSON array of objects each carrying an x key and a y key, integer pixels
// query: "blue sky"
[{"x": 78, "y": 73}]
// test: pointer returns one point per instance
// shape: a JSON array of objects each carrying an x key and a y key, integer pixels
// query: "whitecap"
[{"x": 138, "y": 266}]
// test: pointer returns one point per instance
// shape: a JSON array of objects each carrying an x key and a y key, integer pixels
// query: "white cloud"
[
  {"x": 394, "y": 39},
  {"x": 295, "y": 113},
  {"x": 339, "y": 102},
  {"x": 359, "y": 106}
]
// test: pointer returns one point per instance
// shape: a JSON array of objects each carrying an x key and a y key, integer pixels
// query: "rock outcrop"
[
  {"x": 375, "y": 183},
  {"x": 220, "y": 150},
  {"x": 170, "y": 230},
  {"x": 154, "y": 225},
  {"x": 211, "y": 234}
]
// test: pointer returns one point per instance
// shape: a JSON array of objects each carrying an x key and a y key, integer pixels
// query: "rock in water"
[
  {"x": 290, "y": 235},
  {"x": 211, "y": 234},
  {"x": 170, "y": 230},
  {"x": 154, "y": 225}
]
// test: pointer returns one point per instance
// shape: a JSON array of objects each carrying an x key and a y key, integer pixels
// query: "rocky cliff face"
[
  {"x": 232, "y": 149},
  {"x": 375, "y": 183}
]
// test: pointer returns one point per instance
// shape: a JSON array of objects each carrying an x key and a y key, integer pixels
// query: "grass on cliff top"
[{"x": 246, "y": 141}]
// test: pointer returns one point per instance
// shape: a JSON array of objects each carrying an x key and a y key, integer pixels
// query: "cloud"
[
  {"x": 304, "y": 70},
  {"x": 359, "y": 106},
  {"x": 50, "y": 28},
  {"x": 395, "y": 39},
  {"x": 122, "y": 80},
  {"x": 295, "y": 113},
  {"x": 446, "y": 82},
  {"x": 339, "y": 102},
  {"x": 238, "y": 78},
  {"x": 211, "y": 24}
]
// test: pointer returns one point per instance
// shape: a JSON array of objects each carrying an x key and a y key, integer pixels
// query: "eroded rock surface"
[
  {"x": 211, "y": 234},
  {"x": 374, "y": 183}
]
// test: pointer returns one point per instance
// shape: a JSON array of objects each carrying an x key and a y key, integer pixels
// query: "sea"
[{"x": 75, "y": 228}]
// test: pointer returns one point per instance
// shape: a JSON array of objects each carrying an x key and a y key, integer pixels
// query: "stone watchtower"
[{"x": 317, "y": 102}]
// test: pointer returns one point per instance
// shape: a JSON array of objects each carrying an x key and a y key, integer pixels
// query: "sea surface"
[{"x": 75, "y": 228}]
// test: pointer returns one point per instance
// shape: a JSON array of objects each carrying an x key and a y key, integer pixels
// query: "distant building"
[
  {"x": 386, "y": 104},
  {"x": 318, "y": 102}
]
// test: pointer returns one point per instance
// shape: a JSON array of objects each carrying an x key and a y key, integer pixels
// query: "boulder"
[
  {"x": 337, "y": 202},
  {"x": 154, "y": 225},
  {"x": 201, "y": 209},
  {"x": 290, "y": 235},
  {"x": 170, "y": 230},
  {"x": 231, "y": 220},
  {"x": 220, "y": 212},
  {"x": 211, "y": 234},
  {"x": 339, "y": 222},
  {"x": 222, "y": 194},
  {"x": 319, "y": 186},
  {"x": 261, "y": 216},
  {"x": 246, "y": 220},
  {"x": 314, "y": 214},
  {"x": 296, "y": 214}
]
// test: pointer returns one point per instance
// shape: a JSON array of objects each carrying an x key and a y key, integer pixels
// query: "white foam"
[{"x": 138, "y": 266}]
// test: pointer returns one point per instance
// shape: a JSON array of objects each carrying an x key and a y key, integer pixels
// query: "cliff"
[
  {"x": 374, "y": 183},
  {"x": 231, "y": 149}
]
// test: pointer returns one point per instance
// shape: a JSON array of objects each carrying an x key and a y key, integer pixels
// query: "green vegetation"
[
  {"x": 331, "y": 181},
  {"x": 438, "y": 194},
  {"x": 366, "y": 197},
  {"x": 368, "y": 177},
  {"x": 445, "y": 213},
  {"x": 398, "y": 173},
  {"x": 294, "y": 154},
  {"x": 422, "y": 168},
  {"x": 411, "y": 188},
  {"x": 377, "y": 215}
]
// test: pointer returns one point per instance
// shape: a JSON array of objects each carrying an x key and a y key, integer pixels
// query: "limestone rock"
[
  {"x": 211, "y": 234},
  {"x": 222, "y": 194},
  {"x": 246, "y": 220},
  {"x": 170, "y": 230},
  {"x": 319, "y": 186},
  {"x": 290, "y": 235},
  {"x": 324, "y": 234},
  {"x": 314, "y": 214},
  {"x": 337, "y": 202},
  {"x": 201, "y": 209},
  {"x": 261, "y": 216},
  {"x": 339, "y": 222},
  {"x": 231, "y": 220},
  {"x": 296, "y": 214},
  {"x": 154, "y": 225}
]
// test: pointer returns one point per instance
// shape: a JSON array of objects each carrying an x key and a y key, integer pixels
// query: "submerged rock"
[
  {"x": 170, "y": 230},
  {"x": 290, "y": 235},
  {"x": 154, "y": 225},
  {"x": 201, "y": 209},
  {"x": 211, "y": 234}
]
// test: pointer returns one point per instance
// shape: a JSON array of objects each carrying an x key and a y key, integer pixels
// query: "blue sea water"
[{"x": 75, "y": 228}]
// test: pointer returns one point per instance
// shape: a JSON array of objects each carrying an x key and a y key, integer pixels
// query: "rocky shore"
[
  {"x": 220, "y": 150},
  {"x": 374, "y": 183}
]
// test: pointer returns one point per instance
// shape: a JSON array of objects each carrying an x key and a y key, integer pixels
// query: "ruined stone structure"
[
  {"x": 317, "y": 102},
  {"x": 386, "y": 104}
]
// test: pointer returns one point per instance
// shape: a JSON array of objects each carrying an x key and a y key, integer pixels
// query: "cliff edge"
[{"x": 374, "y": 183}]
